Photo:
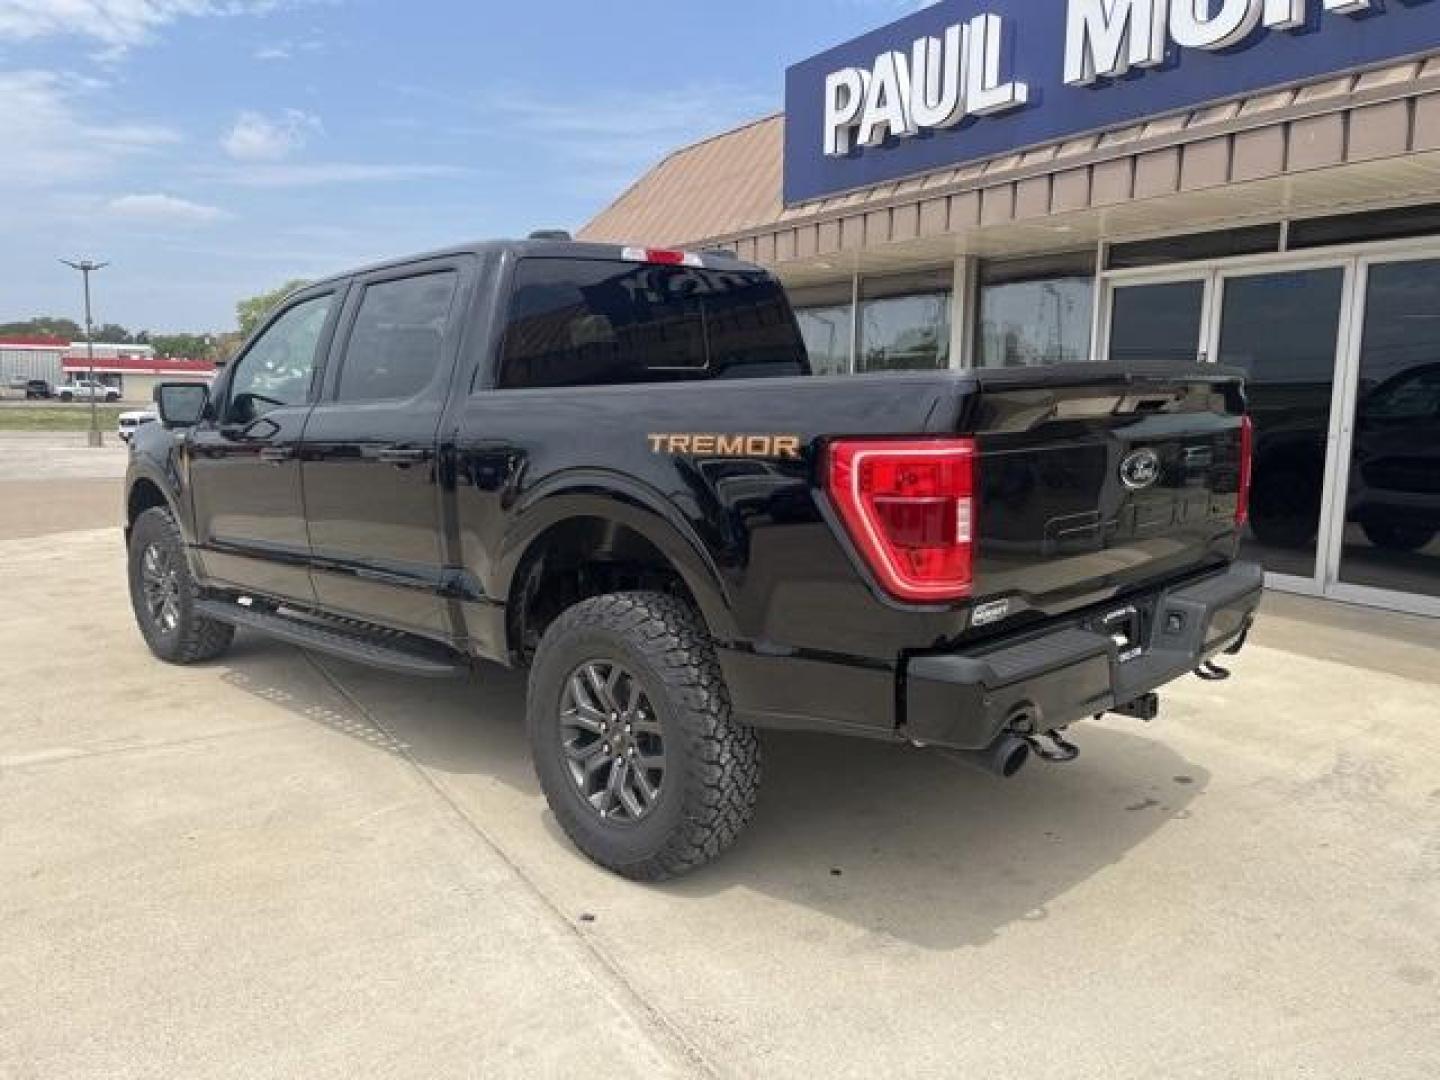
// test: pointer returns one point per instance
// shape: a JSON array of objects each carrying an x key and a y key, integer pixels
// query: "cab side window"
[
  {"x": 398, "y": 340},
  {"x": 276, "y": 371}
]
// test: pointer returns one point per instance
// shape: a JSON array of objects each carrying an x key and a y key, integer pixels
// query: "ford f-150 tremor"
[{"x": 614, "y": 465}]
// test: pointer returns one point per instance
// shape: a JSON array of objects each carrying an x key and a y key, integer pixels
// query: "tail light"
[
  {"x": 1247, "y": 466},
  {"x": 909, "y": 509}
]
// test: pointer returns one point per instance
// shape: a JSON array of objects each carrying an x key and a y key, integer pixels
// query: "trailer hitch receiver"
[{"x": 1145, "y": 707}]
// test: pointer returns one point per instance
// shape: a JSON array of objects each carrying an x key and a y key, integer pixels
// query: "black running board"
[{"x": 378, "y": 648}]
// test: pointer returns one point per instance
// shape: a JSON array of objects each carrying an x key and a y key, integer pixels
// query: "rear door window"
[
  {"x": 397, "y": 343},
  {"x": 585, "y": 322}
]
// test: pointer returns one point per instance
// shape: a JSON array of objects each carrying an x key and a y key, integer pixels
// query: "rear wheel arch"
[{"x": 574, "y": 547}]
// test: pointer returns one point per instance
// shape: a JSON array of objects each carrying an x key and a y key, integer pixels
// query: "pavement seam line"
[
  {"x": 687, "y": 1049},
  {"x": 16, "y": 764}
]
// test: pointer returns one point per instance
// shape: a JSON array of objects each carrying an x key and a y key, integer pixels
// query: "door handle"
[
  {"x": 402, "y": 456},
  {"x": 275, "y": 455}
]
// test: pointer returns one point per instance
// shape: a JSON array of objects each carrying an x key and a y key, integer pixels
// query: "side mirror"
[{"x": 182, "y": 404}]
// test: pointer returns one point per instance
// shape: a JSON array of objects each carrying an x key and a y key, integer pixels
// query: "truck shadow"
[
  {"x": 912, "y": 845},
  {"x": 901, "y": 843}
]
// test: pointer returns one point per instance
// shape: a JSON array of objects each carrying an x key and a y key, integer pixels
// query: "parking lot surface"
[{"x": 284, "y": 865}]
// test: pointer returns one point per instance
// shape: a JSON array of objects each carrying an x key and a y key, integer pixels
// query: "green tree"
[
  {"x": 251, "y": 312},
  {"x": 227, "y": 345},
  {"x": 112, "y": 334},
  {"x": 53, "y": 326},
  {"x": 183, "y": 346}
]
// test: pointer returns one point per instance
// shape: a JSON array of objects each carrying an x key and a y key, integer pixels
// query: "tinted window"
[
  {"x": 1392, "y": 535},
  {"x": 1255, "y": 240},
  {"x": 1025, "y": 323},
  {"x": 1282, "y": 329},
  {"x": 396, "y": 344},
  {"x": 276, "y": 370},
  {"x": 1355, "y": 228},
  {"x": 584, "y": 322},
  {"x": 1157, "y": 322},
  {"x": 827, "y": 332},
  {"x": 905, "y": 322}
]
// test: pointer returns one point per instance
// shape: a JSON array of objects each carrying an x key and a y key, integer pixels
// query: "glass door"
[
  {"x": 1160, "y": 320},
  {"x": 1283, "y": 328},
  {"x": 1389, "y": 550}
]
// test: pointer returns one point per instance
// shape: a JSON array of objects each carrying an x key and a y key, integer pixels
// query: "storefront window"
[
  {"x": 1392, "y": 531},
  {"x": 827, "y": 336},
  {"x": 1157, "y": 323},
  {"x": 905, "y": 322},
  {"x": 1036, "y": 311},
  {"x": 826, "y": 323}
]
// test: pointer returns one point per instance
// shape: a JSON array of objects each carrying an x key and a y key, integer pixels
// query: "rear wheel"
[
  {"x": 630, "y": 726},
  {"x": 1285, "y": 503},
  {"x": 1397, "y": 536},
  {"x": 163, "y": 594}
]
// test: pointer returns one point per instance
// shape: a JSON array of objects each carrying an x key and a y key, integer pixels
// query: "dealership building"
[{"x": 1001, "y": 183}]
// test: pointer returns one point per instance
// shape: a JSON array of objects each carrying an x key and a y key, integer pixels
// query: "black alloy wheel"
[
  {"x": 613, "y": 742},
  {"x": 160, "y": 582}
]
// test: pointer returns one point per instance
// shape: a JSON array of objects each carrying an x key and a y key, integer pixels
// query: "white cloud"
[
  {"x": 161, "y": 209},
  {"x": 48, "y": 140},
  {"x": 320, "y": 174},
  {"x": 288, "y": 49},
  {"x": 256, "y": 137},
  {"x": 118, "y": 24},
  {"x": 619, "y": 134}
]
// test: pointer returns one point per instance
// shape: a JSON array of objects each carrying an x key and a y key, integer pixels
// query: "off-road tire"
[
  {"x": 193, "y": 638},
  {"x": 712, "y": 761}
]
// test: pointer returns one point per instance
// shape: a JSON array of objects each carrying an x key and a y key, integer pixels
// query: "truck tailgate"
[{"x": 1097, "y": 480}]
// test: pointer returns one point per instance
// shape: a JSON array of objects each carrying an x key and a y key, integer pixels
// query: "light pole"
[{"x": 86, "y": 268}]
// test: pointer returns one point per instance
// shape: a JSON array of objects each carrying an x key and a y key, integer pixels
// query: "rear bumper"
[{"x": 1072, "y": 671}]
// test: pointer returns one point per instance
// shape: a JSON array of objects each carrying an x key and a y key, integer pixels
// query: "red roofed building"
[{"x": 135, "y": 375}]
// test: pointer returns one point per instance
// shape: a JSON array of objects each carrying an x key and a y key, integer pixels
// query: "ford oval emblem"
[{"x": 1140, "y": 470}]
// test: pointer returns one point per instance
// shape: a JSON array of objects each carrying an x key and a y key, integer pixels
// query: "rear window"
[
  {"x": 586, "y": 322},
  {"x": 397, "y": 343}
]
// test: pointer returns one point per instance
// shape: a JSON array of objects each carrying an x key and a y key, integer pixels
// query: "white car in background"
[
  {"x": 130, "y": 422},
  {"x": 84, "y": 390}
]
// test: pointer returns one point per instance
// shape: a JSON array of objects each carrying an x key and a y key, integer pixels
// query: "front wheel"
[
  {"x": 163, "y": 594},
  {"x": 67, "y": 397},
  {"x": 633, "y": 739}
]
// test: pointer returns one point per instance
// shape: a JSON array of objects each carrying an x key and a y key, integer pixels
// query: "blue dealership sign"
[{"x": 964, "y": 80}]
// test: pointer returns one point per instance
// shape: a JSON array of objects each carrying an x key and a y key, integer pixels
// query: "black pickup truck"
[{"x": 613, "y": 465}]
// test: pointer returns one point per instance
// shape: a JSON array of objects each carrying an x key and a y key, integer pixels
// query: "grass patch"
[{"x": 59, "y": 418}]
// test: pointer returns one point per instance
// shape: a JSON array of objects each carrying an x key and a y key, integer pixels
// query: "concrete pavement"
[{"x": 277, "y": 865}]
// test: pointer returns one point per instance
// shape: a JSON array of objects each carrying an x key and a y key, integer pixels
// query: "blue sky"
[{"x": 211, "y": 149}]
